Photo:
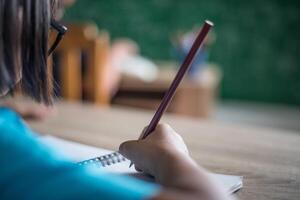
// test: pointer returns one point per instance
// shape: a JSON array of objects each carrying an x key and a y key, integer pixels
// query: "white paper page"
[{"x": 80, "y": 152}]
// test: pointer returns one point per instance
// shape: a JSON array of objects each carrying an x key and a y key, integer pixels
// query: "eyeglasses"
[{"x": 61, "y": 30}]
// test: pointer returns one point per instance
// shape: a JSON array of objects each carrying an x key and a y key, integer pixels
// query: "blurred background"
[{"x": 126, "y": 53}]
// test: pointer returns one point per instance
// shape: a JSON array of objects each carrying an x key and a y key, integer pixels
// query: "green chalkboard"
[{"x": 257, "y": 46}]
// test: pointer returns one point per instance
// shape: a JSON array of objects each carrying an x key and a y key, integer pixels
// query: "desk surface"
[{"x": 268, "y": 159}]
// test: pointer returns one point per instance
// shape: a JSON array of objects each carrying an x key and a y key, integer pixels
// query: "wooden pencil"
[{"x": 179, "y": 76}]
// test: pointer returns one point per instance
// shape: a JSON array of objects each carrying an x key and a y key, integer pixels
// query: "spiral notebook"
[{"x": 114, "y": 162}]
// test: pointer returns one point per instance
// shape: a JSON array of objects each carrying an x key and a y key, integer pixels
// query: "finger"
[
  {"x": 129, "y": 149},
  {"x": 132, "y": 151}
]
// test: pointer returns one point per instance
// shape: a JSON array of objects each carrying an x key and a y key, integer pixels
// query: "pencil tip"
[{"x": 131, "y": 163}]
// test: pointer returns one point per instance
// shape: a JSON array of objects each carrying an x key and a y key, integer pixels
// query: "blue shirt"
[{"x": 28, "y": 170}]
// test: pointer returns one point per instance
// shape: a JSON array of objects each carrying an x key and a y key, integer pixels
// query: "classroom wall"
[{"x": 257, "y": 43}]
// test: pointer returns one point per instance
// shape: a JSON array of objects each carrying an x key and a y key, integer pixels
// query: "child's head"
[{"x": 24, "y": 31}]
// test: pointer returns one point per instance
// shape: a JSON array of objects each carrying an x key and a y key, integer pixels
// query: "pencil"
[{"x": 179, "y": 76}]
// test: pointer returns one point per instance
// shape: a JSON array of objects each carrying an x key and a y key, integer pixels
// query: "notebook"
[{"x": 114, "y": 162}]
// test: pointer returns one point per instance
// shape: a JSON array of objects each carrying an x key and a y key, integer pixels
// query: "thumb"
[{"x": 129, "y": 149}]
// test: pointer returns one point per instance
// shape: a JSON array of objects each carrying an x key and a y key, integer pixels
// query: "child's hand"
[
  {"x": 164, "y": 155},
  {"x": 156, "y": 151}
]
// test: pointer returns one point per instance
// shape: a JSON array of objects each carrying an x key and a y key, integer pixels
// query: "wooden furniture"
[
  {"x": 195, "y": 98},
  {"x": 268, "y": 159},
  {"x": 84, "y": 38}
]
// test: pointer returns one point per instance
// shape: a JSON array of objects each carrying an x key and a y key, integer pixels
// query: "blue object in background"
[{"x": 182, "y": 48}]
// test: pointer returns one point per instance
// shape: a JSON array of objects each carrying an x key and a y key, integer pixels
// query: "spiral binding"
[{"x": 105, "y": 160}]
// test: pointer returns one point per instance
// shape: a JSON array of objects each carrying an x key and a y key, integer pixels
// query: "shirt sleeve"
[{"x": 31, "y": 171}]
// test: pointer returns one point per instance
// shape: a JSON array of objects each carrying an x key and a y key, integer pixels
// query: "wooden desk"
[{"x": 269, "y": 160}]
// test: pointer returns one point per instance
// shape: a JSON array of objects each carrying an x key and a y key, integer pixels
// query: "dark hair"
[{"x": 24, "y": 32}]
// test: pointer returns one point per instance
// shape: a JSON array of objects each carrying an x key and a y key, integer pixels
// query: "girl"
[{"x": 31, "y": 171}]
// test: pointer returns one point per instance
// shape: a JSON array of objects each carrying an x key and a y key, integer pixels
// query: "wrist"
[
  {"x": 171, "y": 163},
  {"x": 181, "y": 172}
]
